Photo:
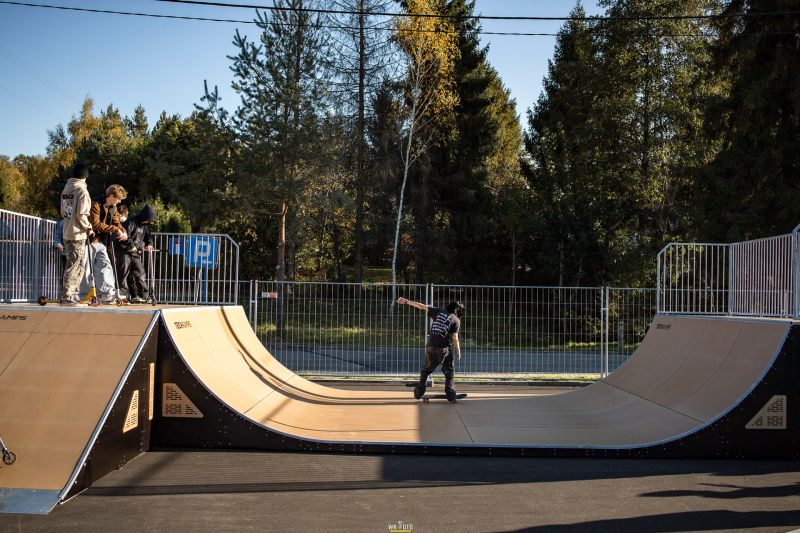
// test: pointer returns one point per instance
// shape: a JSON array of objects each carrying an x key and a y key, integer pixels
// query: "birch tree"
[{"x": 430, "y": 48}]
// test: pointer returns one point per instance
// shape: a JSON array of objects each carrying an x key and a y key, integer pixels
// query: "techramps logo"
[{"x": 401, "y": 527}]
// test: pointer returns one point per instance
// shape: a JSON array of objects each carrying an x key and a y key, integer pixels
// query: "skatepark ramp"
[
  {"x": 83, "y": 391},
  {"x": 75, "y": 398},
  {"x": 697, "y": 387}
]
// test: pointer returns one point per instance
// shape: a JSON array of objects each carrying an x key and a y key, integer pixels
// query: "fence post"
[
  {"x": 429, "y": 303},
  {"x": 658, "y": 280},
  {"x": 604, "y": 333},
  {"x": 796, "y": 269}
]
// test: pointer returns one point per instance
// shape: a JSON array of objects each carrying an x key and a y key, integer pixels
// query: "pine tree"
[{"x": 752, "y": 186}]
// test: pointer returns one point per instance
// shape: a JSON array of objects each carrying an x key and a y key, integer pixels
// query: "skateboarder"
[
  {"x": 443, "y": 333},
  {"x": 130, "y": 252}
]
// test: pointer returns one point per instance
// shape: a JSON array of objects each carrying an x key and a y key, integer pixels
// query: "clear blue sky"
[{"x": 51, "y": 59}]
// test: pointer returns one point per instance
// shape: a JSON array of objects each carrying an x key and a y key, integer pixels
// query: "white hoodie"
[{"x": 75, "y": 206}]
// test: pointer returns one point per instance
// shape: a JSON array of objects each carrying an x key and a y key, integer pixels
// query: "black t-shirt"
[{"x": 442, "y": 328}]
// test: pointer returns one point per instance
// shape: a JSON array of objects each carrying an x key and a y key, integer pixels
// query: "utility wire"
[
  {"x": 380, "y": 28},
  {"x": 478, "y": 17}
]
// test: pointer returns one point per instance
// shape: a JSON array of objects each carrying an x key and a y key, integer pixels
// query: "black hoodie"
[{"x": 138, "y": 233}]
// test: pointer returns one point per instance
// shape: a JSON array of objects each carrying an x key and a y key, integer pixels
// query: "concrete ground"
[
  {"x": 243, "y": 491},
  {"x": 198, "y": 491}
]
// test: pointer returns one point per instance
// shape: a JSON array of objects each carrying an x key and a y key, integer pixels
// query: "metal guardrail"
[
  {"x": 190, "y": 268},
  {"x": 195, "y": 268},
  {"x": 796, "y": 254},
  {"x": 760, "y": 277},
  {"x": 318, "y": 328},
  {"x": 29, "y": 265}
]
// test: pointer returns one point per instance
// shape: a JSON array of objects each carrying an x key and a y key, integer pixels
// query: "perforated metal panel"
[
  {"x": 175, "y": 404},
  {"x": 771, "y": 416},
  {"x": 132, "y": 418},
  {"x": 151, "y": 391}
]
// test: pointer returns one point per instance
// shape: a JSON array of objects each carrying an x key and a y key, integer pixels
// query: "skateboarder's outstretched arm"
[{"x": 418, "y": 305}]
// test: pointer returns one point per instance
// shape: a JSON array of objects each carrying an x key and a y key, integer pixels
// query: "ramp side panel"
[{"x": 55, "y": 391}]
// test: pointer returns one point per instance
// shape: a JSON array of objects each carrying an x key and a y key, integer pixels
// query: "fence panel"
[
  {"x": 29, "y": 264},
  {"x": 630, "y": 313},
  {"x": 762, "y": 277},
  {"x": 318, "y": 328},
  {"x": 694, "y": 278},
  {"x": 340, "y": 328},
  {"x": 194, "y": 268},
  {"x": 528, "y": 330}
]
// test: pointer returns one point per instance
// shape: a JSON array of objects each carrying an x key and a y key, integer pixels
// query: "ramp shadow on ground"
[{"x": 201, "y": 472}]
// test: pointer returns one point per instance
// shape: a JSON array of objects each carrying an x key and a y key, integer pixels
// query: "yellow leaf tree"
[{"x": 428, "y": 42}]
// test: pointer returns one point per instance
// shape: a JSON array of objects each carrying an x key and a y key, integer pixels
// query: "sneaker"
[
  {"x": 108, "y": 301},
  {"x": 138, "y": 300},
  {"x": 68, "y": 302},
  {"x": 418, "y": 393}
]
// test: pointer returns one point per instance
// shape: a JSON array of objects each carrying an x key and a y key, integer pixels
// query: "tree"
[
  {"x": 430, "y": 49},
  {"x": 281, "y": 83},
  {"x": 750, "y": 188},
  {"x": 362, "y": 57}
]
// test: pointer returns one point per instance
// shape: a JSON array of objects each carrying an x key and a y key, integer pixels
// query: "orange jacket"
[{"x": 98, "y": 217}]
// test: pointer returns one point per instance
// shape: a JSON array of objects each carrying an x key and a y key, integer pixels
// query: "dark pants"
[
  {"x": 137, "y": 285},
  {"x": 433, "y": 358}
]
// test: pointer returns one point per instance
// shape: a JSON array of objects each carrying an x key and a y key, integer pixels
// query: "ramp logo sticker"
[
  {"x": 771, "y": 416},
  {"x": 132, "y": 418},
  {"x": 13, "y": 317},
  {"x": 663, "y": 326},
  {"x": 183, "y": 324},
  {"x": 176, "y": 405},
  {"x": 401, "y": 527}
]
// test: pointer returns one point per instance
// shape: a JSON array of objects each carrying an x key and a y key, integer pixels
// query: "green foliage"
[
  {"x": 643, "y": 134},
  {"x": 172, "y": 218}
]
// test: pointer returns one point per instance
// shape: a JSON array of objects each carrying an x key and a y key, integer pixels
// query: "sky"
[{"x": 50, "y": 60}]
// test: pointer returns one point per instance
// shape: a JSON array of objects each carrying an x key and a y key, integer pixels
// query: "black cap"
[
  {"x": 148, "y": 212},
  {"x": 80, "y": 171}
]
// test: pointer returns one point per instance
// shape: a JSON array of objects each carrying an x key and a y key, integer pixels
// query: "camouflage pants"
[{"x": 73, "y": 272}]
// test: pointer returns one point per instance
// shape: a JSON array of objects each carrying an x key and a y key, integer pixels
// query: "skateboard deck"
[{"x": 428, "y": 397}]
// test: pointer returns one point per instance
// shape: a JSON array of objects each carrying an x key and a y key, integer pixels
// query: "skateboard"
[
  {"x": 8, "y": 456},
  {"x": 426, "y": 398}
]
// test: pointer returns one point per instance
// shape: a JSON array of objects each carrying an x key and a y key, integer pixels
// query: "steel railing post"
[{"x": 796, "y": 270}]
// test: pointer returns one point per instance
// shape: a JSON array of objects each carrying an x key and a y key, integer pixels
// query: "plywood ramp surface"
[
  {"x": 686, "y": 372},
  {"x": 58, "y": 372}
]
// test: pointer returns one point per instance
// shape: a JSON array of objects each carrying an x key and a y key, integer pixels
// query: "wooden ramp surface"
[
  {"x": 687, "y": 372},
  {"x": 59, "y": 370}
]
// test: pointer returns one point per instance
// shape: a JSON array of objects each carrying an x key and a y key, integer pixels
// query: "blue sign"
[
  {"x": 176, "y": 247},
  {"x": 202, "y": 252}
]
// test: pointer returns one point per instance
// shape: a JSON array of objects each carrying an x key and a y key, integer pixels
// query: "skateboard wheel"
[
  {"x": 42, "y": 300},
  {"x": 94, "y": 301},
  {"x": 118, "y": 301},
  {"x": 426, "y": 400},
  {"x": 9, "y": 458}
]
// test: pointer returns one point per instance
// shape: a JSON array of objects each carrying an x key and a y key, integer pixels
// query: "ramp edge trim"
[{"x": 109, "y": 406}]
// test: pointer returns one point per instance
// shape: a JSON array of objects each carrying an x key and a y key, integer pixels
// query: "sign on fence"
[{"x": 202, "y": 252}]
